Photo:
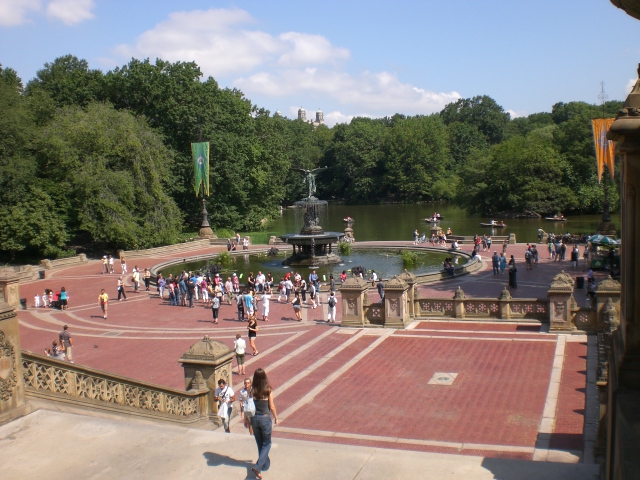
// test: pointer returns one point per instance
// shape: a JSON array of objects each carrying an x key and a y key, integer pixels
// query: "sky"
[{"x": 348, "y": 57}]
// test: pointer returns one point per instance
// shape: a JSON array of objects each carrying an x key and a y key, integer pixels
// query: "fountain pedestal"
[{"x": 312, "y": 246}]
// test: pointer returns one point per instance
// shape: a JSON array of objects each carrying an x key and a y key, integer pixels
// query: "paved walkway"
[
  {"x": 504, "y": 390},
  {"x": 58, "y": 446}
]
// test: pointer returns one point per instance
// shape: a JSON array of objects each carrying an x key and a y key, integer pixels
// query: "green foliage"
[
  {"x": 224, "y": 233},
  {"x": 225, "y": 259},
  {"x": 409, "y": 258},
  {"x": 483, "y": 112},
  {"x": 115, "y": 169},
  {"x": 30, "y": 225},
  {"x": 345, "y": 248}
]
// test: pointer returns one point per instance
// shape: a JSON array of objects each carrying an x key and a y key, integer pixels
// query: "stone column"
[
  {"x": 12, "y": 397},
  {"x": 396, "y": 305},
  {"x": 608, "y": 292},
  {"x": 208, "y": 361},
  {"x": 353, "y": 292},
  {"x": 626, "y": 132},
  {"x": 561, "y": 303},
  {"x": 623, "y": 413},
  {"x": 410, "y": 279},
  {"x": 10, "y": 290}
]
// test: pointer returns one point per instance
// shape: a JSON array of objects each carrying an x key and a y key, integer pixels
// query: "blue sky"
[{"x": 348, "y": 58}]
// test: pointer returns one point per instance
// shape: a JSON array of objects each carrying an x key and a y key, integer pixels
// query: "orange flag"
[{"x": 604, "y": 147}]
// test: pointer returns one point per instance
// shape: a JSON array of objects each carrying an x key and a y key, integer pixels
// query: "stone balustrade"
[
  {"x": 59, "y": 381},
  {"x": 504, "y": 307}
]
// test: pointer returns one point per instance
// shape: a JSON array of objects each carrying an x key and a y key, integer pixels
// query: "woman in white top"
[{"x": 266, "y": 296}]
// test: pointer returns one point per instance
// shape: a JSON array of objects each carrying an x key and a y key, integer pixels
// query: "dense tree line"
[{"x": 88, "y": 157}]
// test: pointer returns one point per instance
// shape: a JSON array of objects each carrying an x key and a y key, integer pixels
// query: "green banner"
[{"x": 200, "y": 152}]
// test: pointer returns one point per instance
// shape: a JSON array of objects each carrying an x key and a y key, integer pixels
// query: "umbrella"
[{"x": 602, "y": 240}]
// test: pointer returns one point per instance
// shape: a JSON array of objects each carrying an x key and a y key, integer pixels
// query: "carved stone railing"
[
  {"x": 502, "y": 308},
  {"x": 374, "y": 314},
  {"x": 60, "y": 381}
]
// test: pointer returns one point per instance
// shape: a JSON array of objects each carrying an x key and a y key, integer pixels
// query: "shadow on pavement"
[
  {"x": 215, "y": 460},
  {"x": 504, "y": 469}
]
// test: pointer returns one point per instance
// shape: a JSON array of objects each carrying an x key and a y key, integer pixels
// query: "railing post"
[
  {"x": 504, "y": 302},
  {"x": 353, "y": 293},
  {"x": 561, "y": 303},
  {"x": 396, "y": 311},
  {"x": 458, "y": 304}
]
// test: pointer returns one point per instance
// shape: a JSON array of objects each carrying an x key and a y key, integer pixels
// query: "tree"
[
  {"x": 481, "y": 111},
  {"x": 417, "y": 159},
  {"x": 32, "y": 225},
  {"x": 114, "y": 169},
  {"x": 355, "y": 158},
  {"x": 68, "y": 81}
]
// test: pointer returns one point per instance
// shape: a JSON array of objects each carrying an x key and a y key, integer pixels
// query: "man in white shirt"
[
  {"x": 260, "y": 279},
  {"x": 240, "y": 346},
  {"x": 225, "y": 397}
]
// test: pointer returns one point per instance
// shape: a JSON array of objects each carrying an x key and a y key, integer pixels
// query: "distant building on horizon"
[{"x": 302, "y": 115}]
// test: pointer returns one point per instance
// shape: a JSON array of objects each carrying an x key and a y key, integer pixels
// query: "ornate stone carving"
[
  {"x": 609, "y": 285},
  {"x": 206, "y": 349},
  {"x": 562, "y": 282},
  {"x": 611, "y": 317},
  {"x": 81, "y": 386},
  {"x": 8, "y": 368},
  {"x": 504, "y": 295},
  {"x": 558, "y": 310},
  {"x": 394, "y": 307}
]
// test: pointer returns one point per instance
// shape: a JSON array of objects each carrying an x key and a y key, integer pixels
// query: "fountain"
[{"x": 312, "y": 246}]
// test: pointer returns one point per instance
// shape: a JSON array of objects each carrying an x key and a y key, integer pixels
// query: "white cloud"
[
  {"x": 516, "y": 114},
  {"x": 380, "y": 93},
  {"x": 290, "y": 65},
  {"x": 14, "y": 12},
  {"x": 219, "y": 43},
  {"x": 70, "y": 12},
  {"x": 309, "y": 50}
]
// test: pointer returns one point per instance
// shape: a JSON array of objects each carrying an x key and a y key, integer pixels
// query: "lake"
[{"x": 397, "y": 222}]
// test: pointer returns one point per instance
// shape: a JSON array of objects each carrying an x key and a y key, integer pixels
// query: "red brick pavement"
[{"x": 497, "y": 398}]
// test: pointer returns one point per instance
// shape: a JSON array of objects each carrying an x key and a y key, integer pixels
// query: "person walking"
[
  {"x": 240, "y": 304},
  {"x": 111, "y": 261},
  {"x": 225, "y": 397},
  {"x": 147, "y": 279},
  {"x": 66, "y": 342},
  {"x": 503, "y": 263},
  {"x": 261, "y": 421},
  {"x": 253, "y": 333},
  {"x": 123, "y": 265},
  {"x": 333, "y": 301},
  {"x": 63, "y": 299},
  {"x": 105, "y": 264},
  {"x": 495, "y": 262},
  {"x": 512, "y": 272},
  {"x": 215, "y": 308},
  {"x": 248, "y": 303},
  {"x": 120, "y": 288},
  {"x": 266, "y": 299},
  {"x": 136, "y": 279},
  {"x": 240, "y": 346},
  {"x": 247, "y": 404},
  {"x": 161, "y": 285},
  {"x": 297, "y": 306},
  {"x": 103, "y": 301}
]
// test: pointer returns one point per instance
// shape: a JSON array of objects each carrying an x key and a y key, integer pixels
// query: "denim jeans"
[{"x": 262, "y": 432}]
